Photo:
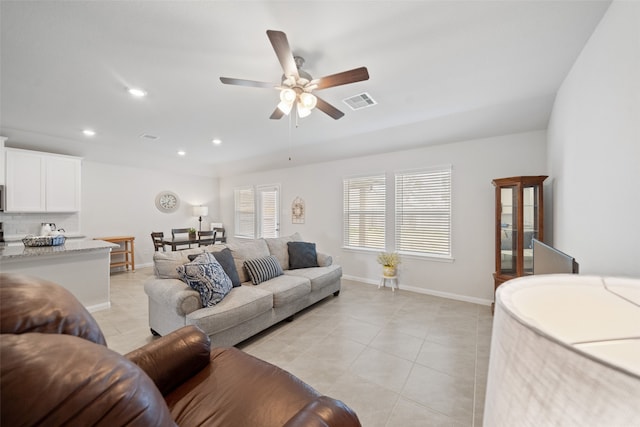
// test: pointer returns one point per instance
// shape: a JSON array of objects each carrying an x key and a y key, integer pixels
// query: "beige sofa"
[{"x": 246, "y": 309}]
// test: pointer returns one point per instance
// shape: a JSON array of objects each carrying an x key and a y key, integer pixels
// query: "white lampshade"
[
  {"x": 200, "y": 211},
  {"x": 288, "y": 95},
  {"x": 285, "y": 107},
  {"x": 308, "y": 100},
  {"x": 565, "y": 350},
  {"x": 287, "y": 98},
  {"x": 303, "y": 111}
]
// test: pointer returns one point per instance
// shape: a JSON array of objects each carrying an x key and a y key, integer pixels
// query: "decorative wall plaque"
[{"x": 297, "y": 211}]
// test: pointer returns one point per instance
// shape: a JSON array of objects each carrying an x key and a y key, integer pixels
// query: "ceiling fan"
[{"x": 297, "y": 85}]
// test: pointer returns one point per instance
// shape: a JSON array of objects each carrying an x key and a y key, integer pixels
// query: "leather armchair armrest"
[
  {"x": 172, "y": 359},
  {"x": 324, "y": 412}
]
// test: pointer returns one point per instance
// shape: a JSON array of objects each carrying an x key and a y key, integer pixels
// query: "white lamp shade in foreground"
[{"x": 565, "y": 351}]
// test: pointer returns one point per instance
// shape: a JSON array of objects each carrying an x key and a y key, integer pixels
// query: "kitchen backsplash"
[{"x": 21, "y": 224}]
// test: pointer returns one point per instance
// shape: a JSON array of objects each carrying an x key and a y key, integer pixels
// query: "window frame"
[
  {"x": 252, "y": 211},
  {"x": 441, "y": 213},
  {"x": 374, "y": 214}
]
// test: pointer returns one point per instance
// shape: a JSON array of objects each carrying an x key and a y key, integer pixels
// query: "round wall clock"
[{"x": 166, "y": 201}]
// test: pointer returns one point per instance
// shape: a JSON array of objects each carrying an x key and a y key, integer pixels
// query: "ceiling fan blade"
[
  {"x": 283, "y": 51},
  {"x": 328, "y": 109},
  {"x": 346, "y": 77},
  {"x": 248, "y": 83},
  {"x": 277, "y": 114}
]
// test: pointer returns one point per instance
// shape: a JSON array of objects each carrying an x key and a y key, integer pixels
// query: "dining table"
[{"x": 180, "y": 241}]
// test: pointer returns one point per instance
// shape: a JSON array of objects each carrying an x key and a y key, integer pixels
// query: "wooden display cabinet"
[{"x": 519, "y": 218}]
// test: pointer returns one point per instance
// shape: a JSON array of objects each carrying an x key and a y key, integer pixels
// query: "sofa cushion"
[
  {"x": 287, "y": 289},
  {"x": 206, "y": 275},
  {"x": 225, "y": 258},
  {"x": 244, "y": 250},
  {"x": 263, "y": 269},
  {"x": 166, "y": 263},
  {"x": 243, "y": 303},
  {"x": 320, "y": 277},
  {"x": 302, "y": 255},
  {"x": 278, "y": 248}
]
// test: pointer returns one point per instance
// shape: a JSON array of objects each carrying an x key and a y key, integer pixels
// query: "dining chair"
[
  {"x": 157, "y": 237},
  {"x": 220, "y": 236},
  {"x": 206, "y": 238},
  {"x": 180, "y": 232}
]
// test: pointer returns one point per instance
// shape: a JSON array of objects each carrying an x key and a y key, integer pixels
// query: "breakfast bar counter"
[{"x": 81, "y": 266}]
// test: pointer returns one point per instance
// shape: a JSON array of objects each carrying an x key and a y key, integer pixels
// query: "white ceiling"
[{"x": 441, "y": 71}]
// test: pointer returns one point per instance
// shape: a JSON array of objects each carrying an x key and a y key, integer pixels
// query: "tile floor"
[{"x": 397, "y": 358}]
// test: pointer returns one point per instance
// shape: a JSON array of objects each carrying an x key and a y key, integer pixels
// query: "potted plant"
[
  {"x": 389, "y": 261},
  {"x": 192, "y": 233}
]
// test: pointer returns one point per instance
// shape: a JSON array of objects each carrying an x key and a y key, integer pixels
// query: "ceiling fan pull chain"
[{"x": 290, "y": 142}]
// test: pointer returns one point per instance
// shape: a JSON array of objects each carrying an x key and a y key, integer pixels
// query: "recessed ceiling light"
[
  {"x": 89, "y": 132},
  {"x": 181, "y": 153},
  {"x": 216, "y": 141},
  {"x": 138, "y": 93}
]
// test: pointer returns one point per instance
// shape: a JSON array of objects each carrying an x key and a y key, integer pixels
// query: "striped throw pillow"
[{"x": 262, "y": 269}]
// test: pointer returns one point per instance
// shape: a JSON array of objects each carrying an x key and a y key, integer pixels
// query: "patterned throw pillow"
[
  {"x": 225, "y": 258},
  {"x": 206, "y": 275},
  {"x": 262, "y": 269},
  {"x": 302, "y": 255}
]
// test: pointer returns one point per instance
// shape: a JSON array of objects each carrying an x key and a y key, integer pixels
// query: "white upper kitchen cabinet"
[{"x": 42, "y": 182}]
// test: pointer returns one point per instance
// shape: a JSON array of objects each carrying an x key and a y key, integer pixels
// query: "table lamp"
[
  {"x": 200, "y": 211},
  {"x": 565, "y": 351}
]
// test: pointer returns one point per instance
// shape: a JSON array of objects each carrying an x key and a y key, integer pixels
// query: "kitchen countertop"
[
  {"x": 69, "y": 247},
  {"x": 17, "y": 238}
]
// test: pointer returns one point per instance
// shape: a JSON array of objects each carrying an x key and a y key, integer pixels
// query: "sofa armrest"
[
  {"x": 171, "y": 360},
  {"x": 173, "y": 293},
  {"x": 324, "y": 412},
  {"x": 324, "y": 260}
]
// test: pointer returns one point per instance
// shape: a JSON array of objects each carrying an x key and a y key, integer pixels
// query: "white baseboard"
[
  {"x": 417, "y": 290},
  {"x": 98, "y": 307}
]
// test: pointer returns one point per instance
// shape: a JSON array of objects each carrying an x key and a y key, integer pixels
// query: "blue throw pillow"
[
  {"x": 302, "y": 255},
  {"x": 262, "y": 269},
  {"x": 206, "y": 275}
]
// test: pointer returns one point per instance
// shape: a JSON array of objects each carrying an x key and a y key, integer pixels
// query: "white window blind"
[
  {"x": 269, "y": 207},
  {"x": 423, "y": 212},
  {"x": 364, "y": 212},
  {"x": 245, "y": 212}
]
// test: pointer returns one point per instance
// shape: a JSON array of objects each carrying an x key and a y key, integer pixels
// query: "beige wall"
[
  {"x": 475, "y": 163},
  {"x": 594, "y": 149}
]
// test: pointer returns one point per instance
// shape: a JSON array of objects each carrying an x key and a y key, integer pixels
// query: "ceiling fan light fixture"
[
  {"x": 288, "y": 95},
  {"x": 285, "y": 107},
  {"x": 303, "y": 111},
  {"x": 308, "y": 100}
]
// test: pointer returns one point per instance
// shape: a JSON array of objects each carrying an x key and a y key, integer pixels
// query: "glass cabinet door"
[
  {"x": 508, "y": 230},
  {"x": 530, "y": 225}
]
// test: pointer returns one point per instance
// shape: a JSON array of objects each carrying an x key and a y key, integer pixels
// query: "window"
[
  {"x": 423, "y": 212},
  {"x": 268, "y": 208},
  {"x": 364, "y": 212},
  {"x": 257, "y": 211},
  {"x": 245, "y": 218}
]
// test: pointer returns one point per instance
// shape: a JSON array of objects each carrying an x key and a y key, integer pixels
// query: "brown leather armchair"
[{"x": 55, "y": 369}]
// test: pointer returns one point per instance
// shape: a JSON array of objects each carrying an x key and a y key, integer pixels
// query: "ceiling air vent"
[
  {"x": 360, "y": 101},
  {"x": 149, "y": 137}
]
